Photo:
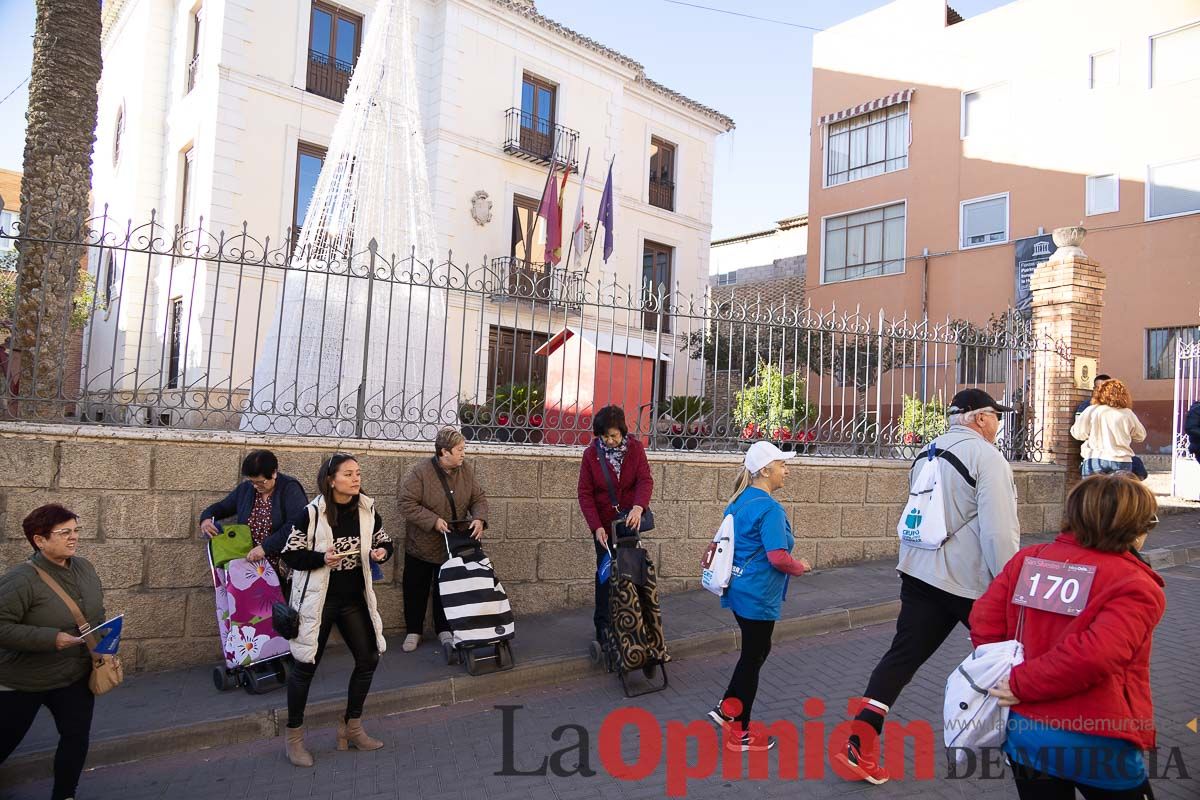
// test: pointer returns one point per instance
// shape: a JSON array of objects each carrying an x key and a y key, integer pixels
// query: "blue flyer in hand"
[{"x": 111, "y": 631}]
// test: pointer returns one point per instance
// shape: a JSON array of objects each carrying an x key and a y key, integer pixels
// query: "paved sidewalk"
[
  {"x": 175, "y": 711},
  {"x": 452, "y": 752}
]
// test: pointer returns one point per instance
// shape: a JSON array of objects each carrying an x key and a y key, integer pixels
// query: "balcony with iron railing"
[
  {"x": 662, "y": 193},
  {"x": 517, "y": 279},
  {"x": 193, "y": 68},
  {"x": 328, "y": 77},
  {"x": 536, "y": 138}
]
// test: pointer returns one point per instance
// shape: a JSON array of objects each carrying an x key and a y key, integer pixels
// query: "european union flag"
[{"x": 112, "y": 637}]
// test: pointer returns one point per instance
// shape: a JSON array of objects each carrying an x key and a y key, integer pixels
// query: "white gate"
[{"x": 1185, "y": 469}]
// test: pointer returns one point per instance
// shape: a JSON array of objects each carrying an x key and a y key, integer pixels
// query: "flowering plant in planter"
[{"x": 774, "y": 407}]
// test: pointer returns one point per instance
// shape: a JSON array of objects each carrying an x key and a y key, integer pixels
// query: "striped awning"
[{"x": 902, "y": 96}]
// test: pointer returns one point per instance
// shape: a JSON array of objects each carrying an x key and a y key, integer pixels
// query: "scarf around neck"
[{"x": 615, "y": 455}]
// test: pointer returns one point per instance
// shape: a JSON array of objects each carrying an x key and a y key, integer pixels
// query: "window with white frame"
[
  {"x": 864, "y": 244},
  {"x": 7, "y": 223},
  {"x": 984, "y": 221},
  {"x": 984, "y": 111},
  {"x": 1173, "y": 189},
  {"x": 727, "y": 278},
  {"x": 1161, "y": 347},
  {"x": 1101, "y": 193},
  {"x": 1103, "y": 70},
  {"x": 1173, "y": 56},
  {"x": 867, "y": 145}
]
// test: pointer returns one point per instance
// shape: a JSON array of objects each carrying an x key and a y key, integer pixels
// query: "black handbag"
[
  {"x": 620, "y": 529},
  {"x": 284, "y": 617}
]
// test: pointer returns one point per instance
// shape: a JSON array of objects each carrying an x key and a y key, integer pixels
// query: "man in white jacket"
[{"x": 938, "y": 587}]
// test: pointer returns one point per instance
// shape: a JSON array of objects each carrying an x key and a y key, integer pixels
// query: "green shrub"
[
  {"x": 774, "y": 401},
  {"x": 518, "y": 399},
  {"x": 687, "y": 408},
  {"x": 924, "y": 420}
]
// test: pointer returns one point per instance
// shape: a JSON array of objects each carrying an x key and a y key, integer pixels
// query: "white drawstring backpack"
[{"x": 717, "y": 565}]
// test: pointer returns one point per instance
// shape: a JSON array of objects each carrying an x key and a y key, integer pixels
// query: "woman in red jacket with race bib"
[{"x": 1085, "y": 607}]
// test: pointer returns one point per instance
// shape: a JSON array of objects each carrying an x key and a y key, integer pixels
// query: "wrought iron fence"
[{"x": 199, "y": 329}]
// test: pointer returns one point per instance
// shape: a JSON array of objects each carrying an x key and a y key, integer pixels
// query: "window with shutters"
[
  {"x": 983, "y": 221},
  {"x": 1101, "y": 193}
]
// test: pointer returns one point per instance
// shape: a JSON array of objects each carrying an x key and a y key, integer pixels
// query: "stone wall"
[{"x": 139, "y": 495}]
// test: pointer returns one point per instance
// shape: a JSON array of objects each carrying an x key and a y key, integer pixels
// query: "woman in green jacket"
[{"x": 43, "y": 659}]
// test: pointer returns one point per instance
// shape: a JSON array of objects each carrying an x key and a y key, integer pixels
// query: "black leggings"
[
  {"x": 756, "y": 646},
  {"x": 419, "y": 579},
  {"x": 71, "y": 706},
  {"x": 927, "y": 616},
  {"x": 349, "y": 613},
  {"x": 1034, "y": 785}
]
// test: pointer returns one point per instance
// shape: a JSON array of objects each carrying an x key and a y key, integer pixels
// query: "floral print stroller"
[{"x": 256, "y": 658}]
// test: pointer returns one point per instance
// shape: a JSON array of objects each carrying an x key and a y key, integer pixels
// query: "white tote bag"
[
  {"x": 974, "y": 720},
  {"x": 717, "y": 565}
]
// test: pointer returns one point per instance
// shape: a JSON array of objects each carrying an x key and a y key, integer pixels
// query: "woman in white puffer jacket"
[{"x": 1108, "y": 428}]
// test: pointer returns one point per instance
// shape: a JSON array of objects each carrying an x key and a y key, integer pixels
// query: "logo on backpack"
[
  {"x": 912, "y": 524},
  {"x": 923, "y": 522}
]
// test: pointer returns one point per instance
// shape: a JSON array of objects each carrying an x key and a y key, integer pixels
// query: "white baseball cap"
[{"x": 761, "y": 454}]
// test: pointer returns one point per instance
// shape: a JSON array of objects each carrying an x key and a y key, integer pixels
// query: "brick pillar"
[{"x": 1068, "y": 299}]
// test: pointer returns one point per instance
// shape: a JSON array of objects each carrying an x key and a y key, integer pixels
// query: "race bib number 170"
[{"x": 1054, "y": 586}]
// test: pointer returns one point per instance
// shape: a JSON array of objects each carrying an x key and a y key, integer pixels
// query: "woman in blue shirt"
[{"x": 762, "y": 565}]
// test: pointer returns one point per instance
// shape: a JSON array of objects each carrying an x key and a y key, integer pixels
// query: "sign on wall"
[
  {"x": 1030, "y": 252},
  {"x": 1085, "y": 372}
]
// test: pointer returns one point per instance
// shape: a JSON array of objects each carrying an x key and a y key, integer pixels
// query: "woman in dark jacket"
[
  {"x": 268, "y": 501},
  {"x": 1084, "y": 686},
  {"x": 43, "y": 659},
  {"x": 625, "y": 461}
]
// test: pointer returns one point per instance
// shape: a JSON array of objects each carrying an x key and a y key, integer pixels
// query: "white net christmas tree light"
[{"x": 356, "y": 346}]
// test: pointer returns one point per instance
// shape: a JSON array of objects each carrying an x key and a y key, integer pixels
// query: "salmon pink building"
[{"x": 945, "y": 150}]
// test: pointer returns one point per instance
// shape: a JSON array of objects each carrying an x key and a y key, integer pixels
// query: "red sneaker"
[{"x": 863, "y": 764}]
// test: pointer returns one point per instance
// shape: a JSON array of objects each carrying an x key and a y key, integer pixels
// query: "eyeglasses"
[
  {"x": 258, "y": 483},
  {"x": 65, "y": 532},
  {"x": 1152, "y": 523}
]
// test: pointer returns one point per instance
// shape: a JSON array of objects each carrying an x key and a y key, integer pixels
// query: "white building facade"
[{"x": 221, "y": 111}]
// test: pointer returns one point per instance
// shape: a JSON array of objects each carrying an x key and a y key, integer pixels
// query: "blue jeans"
[{"x": 1102, "y": 466}]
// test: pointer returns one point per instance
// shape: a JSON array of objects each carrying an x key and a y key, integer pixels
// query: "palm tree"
[{"x": 59, "y": 135}]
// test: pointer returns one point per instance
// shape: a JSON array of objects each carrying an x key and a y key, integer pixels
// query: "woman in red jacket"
[
  {"x": 1081, "y": 708},
  {"x": 625, "y": 460}
]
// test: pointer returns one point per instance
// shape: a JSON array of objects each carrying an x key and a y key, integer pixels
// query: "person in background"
[
  {"x": 1108, "y": 429},
  {"x": 1191, "y": 427},
  {"x": 1083, "y": 689},
  {"x": 1083, "y": 404},
  {"x": 330, "y": 549},
  {"x": 938, "y": 587},
  {"x": 268, "y": 501},
  {"x": 428, "y": 514},
  {"x": 762, "y": 566},
  {"x": 625, "y": 460},
  {"x": 44, "y": 660}
]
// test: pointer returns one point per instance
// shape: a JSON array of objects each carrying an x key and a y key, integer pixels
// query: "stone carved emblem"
[{"x": 481, "y": 208}]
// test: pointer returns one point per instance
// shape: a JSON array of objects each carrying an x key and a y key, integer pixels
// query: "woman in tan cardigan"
[{"x": 428, "y": 513}]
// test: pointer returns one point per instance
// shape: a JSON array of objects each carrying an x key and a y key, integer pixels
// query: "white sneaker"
[
  {"x": 410, "y": 642},
  {"x": 446, "y": 637}
]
